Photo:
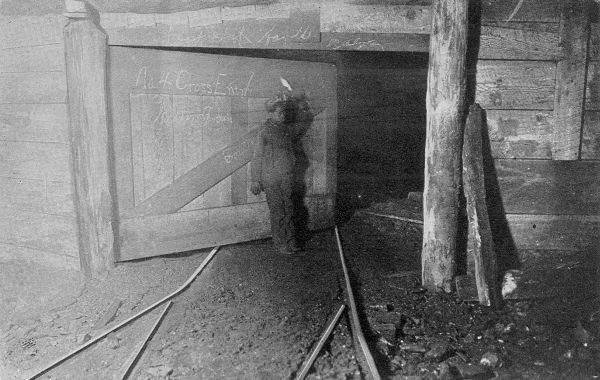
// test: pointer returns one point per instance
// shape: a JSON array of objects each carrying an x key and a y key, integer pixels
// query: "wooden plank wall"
[
  {"x": 520, "y": 56},
  {"x": 37, "y": 217},
  {"x": 542, "y": 181},
  {"x": 542, "y": 202},
  {"x": 590, "y": 144}
]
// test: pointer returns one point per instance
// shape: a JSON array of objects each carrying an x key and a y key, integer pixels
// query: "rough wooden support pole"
[
  {"x": 445, "y": 101},
  {"x": 570, "y": 80},
  {"x": 85, "y": 51},
  {"x": 480, "y": 233}
]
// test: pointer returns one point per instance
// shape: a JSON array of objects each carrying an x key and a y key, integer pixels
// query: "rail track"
[{"x": 360, "y": 346}]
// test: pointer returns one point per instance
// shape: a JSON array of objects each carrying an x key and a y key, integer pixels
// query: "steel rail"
[
  {"x": 131, "y": 366},
  {"x": 133, "y": 317},
  {"x": 354, "y": 314},
  {"x": 317, "y": 348}
]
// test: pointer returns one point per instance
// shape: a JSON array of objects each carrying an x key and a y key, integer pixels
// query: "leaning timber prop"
[
  {"x": 354, "y": 313},
  {"x": 486, "y": 272},
  {"x": 130, "y": 319}
]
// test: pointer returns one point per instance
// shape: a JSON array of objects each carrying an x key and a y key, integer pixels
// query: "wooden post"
[
  {"x": 570, "y": 80},
  {"x": 85, "y": 51},
  {"x": 480, "y": 233},
  {"x": 445, "y": 101}
]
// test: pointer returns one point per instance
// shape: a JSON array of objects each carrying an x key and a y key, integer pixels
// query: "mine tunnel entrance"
[
  {"x": 381, "y": 120},
  {"x": 184, "y": 120}
]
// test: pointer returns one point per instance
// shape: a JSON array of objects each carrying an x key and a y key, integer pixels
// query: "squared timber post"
[
  {"x": 570, "y": 80},
  {"x": 86, "y": 55},
  {"x": 446, "y": 82}
]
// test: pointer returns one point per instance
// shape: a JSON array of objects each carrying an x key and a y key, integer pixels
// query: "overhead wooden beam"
[
  {"x": 85, "y": 51},
  {"x": 570, "y": 81},
  {"x": 445, "y": 101},
  {"x": 345, "y": 16}
]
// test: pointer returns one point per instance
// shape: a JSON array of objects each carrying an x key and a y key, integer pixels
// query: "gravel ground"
[{"x": 255, "y": 314}]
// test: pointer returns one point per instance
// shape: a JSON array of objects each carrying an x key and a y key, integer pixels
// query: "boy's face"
[{"x": 279, "y": 114}]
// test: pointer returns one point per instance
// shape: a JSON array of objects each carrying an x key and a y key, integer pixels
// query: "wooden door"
[{"x": 183, "y": 129}]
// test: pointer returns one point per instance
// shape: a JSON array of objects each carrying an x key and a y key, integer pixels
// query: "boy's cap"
[{"x": 272, "y": 105}]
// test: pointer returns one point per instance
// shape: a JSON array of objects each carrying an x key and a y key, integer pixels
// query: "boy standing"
[{"x": 272, "y": 170}]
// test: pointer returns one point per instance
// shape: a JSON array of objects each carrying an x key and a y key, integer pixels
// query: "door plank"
[
  {"x": 239, "y": 179},
  {"x": 198, "y": 180},
  {"x": 180, "y": 232}
]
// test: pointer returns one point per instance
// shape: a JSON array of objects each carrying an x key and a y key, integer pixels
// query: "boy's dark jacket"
[{"x": 274, "y": 152}]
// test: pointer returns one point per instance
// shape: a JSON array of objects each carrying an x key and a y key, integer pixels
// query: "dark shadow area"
[
  {"x": 381, "y": 127},
  {"x": 473, "y": 42},
  {"x": 375, "y": 248},
  {"x": 506, "y": 251},
  {"x": 299, "y": 118}
]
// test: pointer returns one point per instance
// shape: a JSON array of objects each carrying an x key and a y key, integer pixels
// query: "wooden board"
[
  {"x": 521, "y": 41},
  {"x": 185, "y": 126},
  {"x": 346, "y": 16},
  {"x": 18, "y": 31},
  {"x": 517, "y": 10},
  {"x": 239, "y": 128},
  {"x": 594, "y": 43},
  {"x": 272, "y": 29},
  {"x": 570, "y": 81},
  {"x": 590, "y": 139},
  {"x": 32, "y": 160},
  {"x": 171, "y": 195},
  {"x": 543, "y": 273},
  {"x": 554, "y": 232},
  {"x": 480, "y": 235},
  {"x": 517, "y": 41},
  {"x": 15, "y": 252},
  {"x": 520, "y": 134},
  {"x": 567, "y": 282},
  {"x": 42, "y": 87},
  {"x": 160, "y": 6},
  {"x": 44, "y": 232},
  {"x": 549, "y": 187},
  {"x": 374, "y": 42},
  {"x": 49, "y": 197},
  {"x": 298, "y": 27},
  {"x": 37, "y": 58},
  {"x": 178, "y": 232},
  {"x": 516, "y": 84},
  {"x": 34, "y": 122},
  {"x": 592, "y": 90},
  {"x": 387, "y": 26}
]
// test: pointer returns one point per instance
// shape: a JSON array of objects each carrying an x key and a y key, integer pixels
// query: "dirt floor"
[{"x": 255, "y": 314}]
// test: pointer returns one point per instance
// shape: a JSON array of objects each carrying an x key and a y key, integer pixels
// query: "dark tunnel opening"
[{"x": 381, "y": 125}]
